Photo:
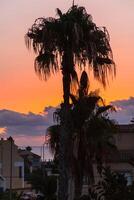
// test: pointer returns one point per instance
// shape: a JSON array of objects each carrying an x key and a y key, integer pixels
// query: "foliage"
[
  {"x": 43, "y": 183},
  {"x": 28, "y": 148},
  {"x": 90, "y": 124},
  {"x": 91, "y": 131},
  {"x": 5, "y": 196},
  {"x": 112, "y": 186},
  {"x": 54, "y": 140}
]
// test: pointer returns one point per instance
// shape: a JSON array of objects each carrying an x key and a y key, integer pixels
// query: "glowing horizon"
[{"x": 20, "y": 88}]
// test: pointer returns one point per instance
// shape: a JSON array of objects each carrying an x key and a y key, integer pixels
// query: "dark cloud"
[
  {"x": 31, "y": 124},
  {"x": 125, "y": 110},
  {"x": 124, "y": 102}
]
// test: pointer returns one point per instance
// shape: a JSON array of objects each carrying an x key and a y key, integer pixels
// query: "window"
[
  {"x": 20, "y": 172},
  {"x": 128, "y": 176}
]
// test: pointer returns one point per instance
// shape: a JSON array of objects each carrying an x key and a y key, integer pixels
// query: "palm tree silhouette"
[
  {"x": 72, "y": 39},
  {"x": 90, "y": 135}
]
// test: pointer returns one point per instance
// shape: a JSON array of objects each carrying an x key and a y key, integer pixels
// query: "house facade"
[
  {"x": 32, "y": 161},
  {"x": 11, "y": 166},
  {"x": 122, "y": 160}
]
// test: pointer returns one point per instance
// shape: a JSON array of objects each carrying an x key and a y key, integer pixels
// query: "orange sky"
[{"x": 20, "y": 88}]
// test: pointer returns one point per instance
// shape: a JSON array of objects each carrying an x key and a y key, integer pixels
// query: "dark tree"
[
  {"x": 72, "y": 39},
  {"x": 90, "y": 134},
  {"x": 43, "y": 183}
]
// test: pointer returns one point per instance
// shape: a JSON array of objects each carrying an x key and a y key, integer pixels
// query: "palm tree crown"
[{"x": 70, "y": 39}]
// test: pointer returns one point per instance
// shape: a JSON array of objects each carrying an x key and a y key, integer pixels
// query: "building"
[
  {"x": 121, "y": 162},
  {"x": 32, "y": 161},
  {"x": 11, "y": 166}
]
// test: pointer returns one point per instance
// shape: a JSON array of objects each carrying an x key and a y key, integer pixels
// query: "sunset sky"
[{"x": 21, "y": 91}]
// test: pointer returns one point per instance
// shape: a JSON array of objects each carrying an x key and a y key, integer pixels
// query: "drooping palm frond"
[
  {"x": 57, "y": 115},
  {"x": 45, "y": 64},
  {"x": 53, "y": 133}
]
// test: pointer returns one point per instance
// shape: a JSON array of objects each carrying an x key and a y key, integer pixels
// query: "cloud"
[
  {"x": 20, "y": 124},
  {"x": 31, "y": 127},
  {"x": 27, "y": 129},
  {"x": 125, "y": 110}
]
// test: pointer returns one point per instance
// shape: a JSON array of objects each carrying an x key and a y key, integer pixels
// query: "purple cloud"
[
  {"x": 31, "y": 124},
  {"x": 125, "y": 110}
]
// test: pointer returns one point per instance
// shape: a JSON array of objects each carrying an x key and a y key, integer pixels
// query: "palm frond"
[
  {"x": 59, "y": 12},
  {"x": 104, "y": 109},
  {"x": 53, "y": 133},
  {"x": 84, "y": 84},
  {"x": 45, "y": 64}
]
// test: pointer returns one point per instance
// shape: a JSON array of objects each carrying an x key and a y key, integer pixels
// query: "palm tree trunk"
[
  {"x": 64, "y": 155},
  {"x": 79, "y": 169},
  {"x": 63, "y": 165},
  {"x": 67, "y": 67},
  {"x": 66, "y": 87},
  {"x": 64, "y": 132}
]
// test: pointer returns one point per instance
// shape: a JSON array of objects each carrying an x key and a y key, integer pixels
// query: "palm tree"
[
  {"x": 92, "y": 144},
  {"x": 70, "y": 40},
  {"x": 90, "y": 132},
  {"x": 93, "y": 131}
]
